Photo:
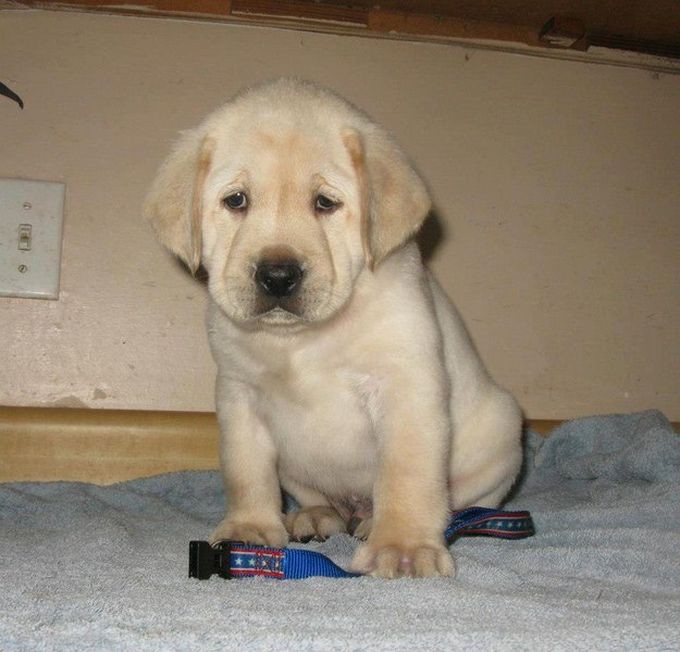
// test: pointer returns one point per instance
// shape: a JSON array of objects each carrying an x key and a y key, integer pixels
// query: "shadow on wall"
[{"x": 430, "y": 236}]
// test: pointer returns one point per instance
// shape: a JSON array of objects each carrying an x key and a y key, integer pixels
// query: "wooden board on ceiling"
[
  {"x": 652, "y": 27},
  {"x": 635, "y": 19}
]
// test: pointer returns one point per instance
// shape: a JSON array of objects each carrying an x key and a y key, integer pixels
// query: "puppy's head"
[{"x": 285, "y": 195}]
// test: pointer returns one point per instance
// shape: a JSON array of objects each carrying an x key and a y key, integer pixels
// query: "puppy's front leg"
[
  {"x": 248, "y": 460},
  {"x": 410, "y": 497}
]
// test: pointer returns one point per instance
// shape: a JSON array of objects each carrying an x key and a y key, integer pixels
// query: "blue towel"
[{"x": 86, "y": 567}]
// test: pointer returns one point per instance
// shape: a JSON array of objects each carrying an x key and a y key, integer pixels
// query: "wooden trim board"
[
  {"x": 103, "y": 446},
  {"x": 338, "y": 18},
  {"x": 108, "y": 446},
  {"x": 570, "y": 24}
]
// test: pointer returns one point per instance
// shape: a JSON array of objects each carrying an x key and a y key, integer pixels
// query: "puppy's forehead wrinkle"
[
  {"x": 227, "y": 175},
  {"x": 300, "y": 142}
]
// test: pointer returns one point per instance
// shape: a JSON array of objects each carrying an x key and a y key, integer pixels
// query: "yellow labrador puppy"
[{"x": 345, "y": 374}]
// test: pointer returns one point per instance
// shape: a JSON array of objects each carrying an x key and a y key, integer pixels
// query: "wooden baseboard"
[
  {"x": 103, "y": 446},
  {"x": 108, "y": 446}
]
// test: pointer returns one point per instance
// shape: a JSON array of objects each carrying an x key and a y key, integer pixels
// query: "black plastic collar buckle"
[{"x": 205, "y": 561}]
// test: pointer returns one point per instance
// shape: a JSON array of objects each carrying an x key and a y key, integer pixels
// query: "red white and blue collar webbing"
[{"x": 234, "y": 559}]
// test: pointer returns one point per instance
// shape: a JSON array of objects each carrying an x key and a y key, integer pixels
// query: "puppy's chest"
[{"x": 322, "y": 416}]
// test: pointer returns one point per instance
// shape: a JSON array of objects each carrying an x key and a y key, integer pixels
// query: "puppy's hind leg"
[
  {"x": 363, "y": 528},
  {"x": 486, "y": 455},
  {"x": 314, "y": 523},
  {"x": 316, "y": 519}
]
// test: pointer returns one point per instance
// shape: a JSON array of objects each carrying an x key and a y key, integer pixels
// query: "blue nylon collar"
[{"x": 234, "y": 559}]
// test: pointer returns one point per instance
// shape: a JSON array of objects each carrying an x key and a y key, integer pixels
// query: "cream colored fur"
[{"x": 366, "y": 400}]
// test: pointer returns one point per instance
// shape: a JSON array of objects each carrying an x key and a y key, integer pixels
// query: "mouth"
[
  {"x": 278, "y": 316},
  {"x": 275, "y": 310}
]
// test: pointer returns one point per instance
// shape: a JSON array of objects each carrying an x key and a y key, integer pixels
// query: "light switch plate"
[{"x": 31, "y": 219}]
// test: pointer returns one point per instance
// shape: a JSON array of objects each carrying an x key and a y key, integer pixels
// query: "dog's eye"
[
  {"x": 236, "y": 201},
  {"x": 325, "y": 204}
]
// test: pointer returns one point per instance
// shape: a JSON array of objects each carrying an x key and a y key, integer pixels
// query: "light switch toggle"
[{"x": 25, "y": 237}]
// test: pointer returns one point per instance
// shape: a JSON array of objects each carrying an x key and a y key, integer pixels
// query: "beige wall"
[{"x": 557, "y": 184}]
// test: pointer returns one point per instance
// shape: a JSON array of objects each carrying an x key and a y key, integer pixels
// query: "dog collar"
[{"x": 235, "y": 559}]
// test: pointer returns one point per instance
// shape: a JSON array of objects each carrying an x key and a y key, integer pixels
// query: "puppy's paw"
[
  {"x": 421, "y": 559},
  {"x": 361, "y": 529},
  {"x": 317, "y": 523},
  {"x": 265, "y": 533}
]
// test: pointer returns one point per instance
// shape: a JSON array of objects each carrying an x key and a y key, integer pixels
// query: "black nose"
[{"x": 279, "y": 279}]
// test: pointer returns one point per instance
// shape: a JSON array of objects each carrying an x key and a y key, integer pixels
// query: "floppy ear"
[
  {"x": 395, "y": 201},
  {"x": 173, "y": 205}
]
